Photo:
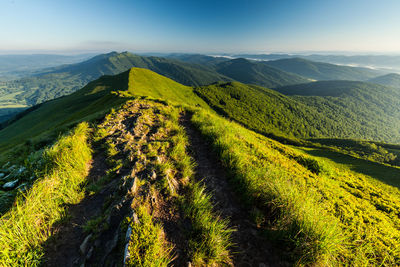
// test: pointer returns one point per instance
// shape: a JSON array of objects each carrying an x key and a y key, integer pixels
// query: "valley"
[{"x": 142, "y": 169}]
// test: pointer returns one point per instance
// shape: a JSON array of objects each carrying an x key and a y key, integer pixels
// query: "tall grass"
[
  {"x": 147, "y": 246},
  {"x": 296, "y": 215},
  {"x": 164, "y": 152},
  {"x": 210, "y": 238},
  {"x": 28, "y": 224}
]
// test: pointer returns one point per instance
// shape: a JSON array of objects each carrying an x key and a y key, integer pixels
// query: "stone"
[
  {"x": 2, "y": 175},
  {"x": 153, "y": 175},
  {"x": 90, "y": 253},
  {"x": 128, "y": 234},
  {"x": 83, "y": 246},
  {"x": 10, "y": 185}
]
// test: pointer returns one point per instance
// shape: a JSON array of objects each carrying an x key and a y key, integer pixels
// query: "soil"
[
  {"x": 251, "y": 249},
  {"x": 62, "y": 249}
]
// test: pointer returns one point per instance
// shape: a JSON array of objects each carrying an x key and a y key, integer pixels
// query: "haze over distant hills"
[
  {"x": 158, "y": 112},
  {"x": 387, "y": 63},
  {"x": 188, "y": 69},
  {"x": 322, "y": 71},
  {"x": 16, "y": 66},
  {"x": 391, "y": 79}
]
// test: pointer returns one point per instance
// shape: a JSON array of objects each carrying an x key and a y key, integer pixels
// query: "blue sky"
[{"x": 200, "y": 26}]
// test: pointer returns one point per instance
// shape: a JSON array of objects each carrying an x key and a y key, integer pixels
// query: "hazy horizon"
[{"x": 207, "y": 27}]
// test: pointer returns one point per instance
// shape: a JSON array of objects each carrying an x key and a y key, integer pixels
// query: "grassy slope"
[
  {"x": 27, "y": 225},
  {"x": 370, "y": 110},
  {"x": 144, "y": 82},
  {"x": 55, "y": 116},
  {"x": 91, "y": 102},
  {"x": 333, "y": 216},
  {"x": 307, "y": 196},
  {"x": 266, "y": 111},
  {"x": 322, "y": 71},
  {"x": 358, "y": 110},
  {"x": 63, "y": 80}
]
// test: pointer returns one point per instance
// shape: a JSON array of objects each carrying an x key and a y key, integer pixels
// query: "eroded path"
[
  {"x": 141, "y": 164},
  {"x": 62, "y": 249},
  {"x": 251, "y": 249}
]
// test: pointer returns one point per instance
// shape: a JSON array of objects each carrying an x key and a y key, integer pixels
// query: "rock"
[
  {"x": 83, "y": 246},
  {"x": 135, "y": 218},
  {"x": 2, "y": 175},
  {"x": 90, "y": 253},
  {"x": 153, "y": 175},
  {"x": 128, "y": 234},
  {"x": 10, "y": 185},
  {"x": 189, "y": 264},
  {"x": 126, "y": 254}
]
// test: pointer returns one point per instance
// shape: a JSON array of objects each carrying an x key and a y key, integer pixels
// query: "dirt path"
[
  {"x": 62, "y": 249},
  {"x": 250, "y": 249}
]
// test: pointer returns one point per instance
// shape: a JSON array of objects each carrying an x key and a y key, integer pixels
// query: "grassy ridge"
[
  {"x": 27, "y": 225},
  {"x": 332, "y": 217},
  {"x": 56, "y": 116},
  {"x": 156, "y": 147},
  {"x": 144, "y": 82},
  {"x": 66, "y": 79}
]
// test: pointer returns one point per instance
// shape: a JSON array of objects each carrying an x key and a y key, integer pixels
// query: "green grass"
[
  {"x": 210, "y": 240},
  {"x": 144, "y": 82},
  {"x": 386, "y": 174},
  {"x": 329, "y": 109},
  {"x": 147, "y": 247},
  {"x": 48, "y": 121},
  {"x": 27, "y": 225},
  {"x": 336, "y": 217},
  {"x": 164, "y": 152}
]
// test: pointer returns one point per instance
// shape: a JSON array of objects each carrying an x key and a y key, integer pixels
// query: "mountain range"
[{"x": 134, "y": 160}]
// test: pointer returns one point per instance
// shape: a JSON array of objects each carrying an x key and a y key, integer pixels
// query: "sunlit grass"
[
  {"x": 330, "y": 217},
  {"x": 28, "y": 224}
]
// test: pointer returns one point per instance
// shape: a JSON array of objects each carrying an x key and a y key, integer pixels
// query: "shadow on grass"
[{"x": 387, "y": 174}]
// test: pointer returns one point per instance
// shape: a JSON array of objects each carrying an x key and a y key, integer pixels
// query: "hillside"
[
  {"x": 63, "y": 80},
  {"x": 336, "y": 109},
  {"x": 371, "y": 110},
  {"x": 391, "y": 79},
  {"x": 322, "y": 71},
  {"x": 161, "y": 182},
  {"x": 266, "y": 111},
  {"x": 198, "y": 59},
  {"x": 251, "y": 72},
  {"x": 16, "y": 66},
  {"x": 92, "y": 101}
]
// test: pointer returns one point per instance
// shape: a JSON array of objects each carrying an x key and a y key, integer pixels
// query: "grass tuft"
[{"x": 28, "y": 224}]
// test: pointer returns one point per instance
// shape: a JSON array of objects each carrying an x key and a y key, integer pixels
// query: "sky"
[{"x": 203, "y": 26}]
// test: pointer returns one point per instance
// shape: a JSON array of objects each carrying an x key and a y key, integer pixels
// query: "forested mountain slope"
[
  {"x": 63, "y": 80},
  {"x": 153, "y": 177},
  {"x": 335, "y": 109},
  {"x": 391, "y": 79},
  {"x": 322, "y": 71}
]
